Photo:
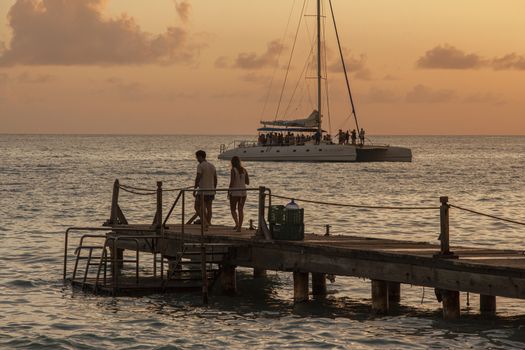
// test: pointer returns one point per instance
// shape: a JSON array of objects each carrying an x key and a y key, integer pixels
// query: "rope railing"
[
  {"x": 137, "y": 192},
  {"x": 358, "y": 205},
  {"x": 487, "y": 215},
  {"x": 147, "y": 191}
]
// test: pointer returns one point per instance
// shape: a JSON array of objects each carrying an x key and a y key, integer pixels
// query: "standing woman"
[{"x": 237, "y": 192}]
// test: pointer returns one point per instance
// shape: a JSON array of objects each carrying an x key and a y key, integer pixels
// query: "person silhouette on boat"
[
  {"x": 354, "y": 136},
  {"x": 205, "y": 183},
  {"x": 317, "y": 137},
  {"x": 237, "y": 191},
  {"x": 362, "y": 137}
]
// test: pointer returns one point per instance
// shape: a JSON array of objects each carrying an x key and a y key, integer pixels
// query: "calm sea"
[{"x": 48, "y": 183}]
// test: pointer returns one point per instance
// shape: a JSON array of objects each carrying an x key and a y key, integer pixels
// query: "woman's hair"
[{"x": 236, "y": 163}]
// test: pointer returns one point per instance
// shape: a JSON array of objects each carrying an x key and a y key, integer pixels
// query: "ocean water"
[{"x": 48, "y": 183}]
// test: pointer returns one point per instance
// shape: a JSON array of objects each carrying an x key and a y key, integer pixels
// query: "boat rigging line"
[
  {"x": 290, "y": 61},
  {"x": 278, "y": 59},
  {"x": 326, "y": 77},
  {"x": 344, "y": 66}
]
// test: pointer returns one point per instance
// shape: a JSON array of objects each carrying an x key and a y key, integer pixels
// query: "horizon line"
[{"x": 222, "y": 135}]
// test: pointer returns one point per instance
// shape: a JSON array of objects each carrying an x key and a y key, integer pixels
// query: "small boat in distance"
[{"x": 304, "y": 140}]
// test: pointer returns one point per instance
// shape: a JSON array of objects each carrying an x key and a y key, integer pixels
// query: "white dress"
[{"x": 238, "y": 188}]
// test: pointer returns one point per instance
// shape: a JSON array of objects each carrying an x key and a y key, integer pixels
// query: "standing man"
[
  {"x": 362, "y": 136},
  {"x": 205, "y": 181},
  {"x": 354, "y": 137}
]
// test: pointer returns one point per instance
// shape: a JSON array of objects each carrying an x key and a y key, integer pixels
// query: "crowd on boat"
[{"x": 291, "y": 139}]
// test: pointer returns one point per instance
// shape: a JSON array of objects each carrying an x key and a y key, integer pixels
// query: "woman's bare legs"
[
  {"x": 240, "y": 205},
  {"x": 233, "y": 208}
]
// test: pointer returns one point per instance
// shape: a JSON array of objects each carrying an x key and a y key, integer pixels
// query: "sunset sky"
[{"x": 205, "y": 66}]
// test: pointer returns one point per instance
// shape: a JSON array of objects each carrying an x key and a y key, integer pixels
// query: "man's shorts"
[{"x": 207, "y": 198}]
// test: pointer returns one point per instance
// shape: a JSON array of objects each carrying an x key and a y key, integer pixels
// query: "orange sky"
[{"x": 204, "y": 66}]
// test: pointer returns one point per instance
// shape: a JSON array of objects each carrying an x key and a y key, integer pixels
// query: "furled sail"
[{"x": 312, "y": 121}]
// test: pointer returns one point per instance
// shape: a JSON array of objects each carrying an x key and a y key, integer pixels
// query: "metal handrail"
[
  {"x": 84, "y": 229},
  {"x": 172, "y": 207}
]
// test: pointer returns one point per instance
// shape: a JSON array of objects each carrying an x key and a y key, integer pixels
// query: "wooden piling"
[
  {"x": 487, "y": 305},
  {"x": 116, "y": 215},
  {"x": 259, "y": 273},
  {"x": 380, "y": 304},
  {"x": 158, "y": 216},
  {"x": 300, "y": 287},
  {"x": 114, "y": 203},
  {"x": 451, "y": 305},
  {"x": 394, "y": 292},
  {"x": 319, "y": 285},
  {"x": 444, "y": 220},
  {"x": 228, "y": 279}
]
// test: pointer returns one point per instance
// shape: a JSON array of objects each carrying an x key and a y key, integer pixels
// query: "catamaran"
[{"x": 304, "y": 140}]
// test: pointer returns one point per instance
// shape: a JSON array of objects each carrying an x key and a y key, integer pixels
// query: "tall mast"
[{"x": 319, "y": 76}]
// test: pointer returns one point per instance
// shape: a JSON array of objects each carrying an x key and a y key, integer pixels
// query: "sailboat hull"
[
  {"x": 383, "y": 154},
  {"x": 303, "y": 153},
  {"x": 320, "y": 153}
]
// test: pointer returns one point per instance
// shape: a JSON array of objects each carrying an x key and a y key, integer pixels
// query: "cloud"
[
  {"x": 4, "y": 78},
  {"x": 128, "y": 90},
  {"x": 60, "y": 32},
  {"x": 378, "y": 95},
  {"x": 222, "y": 62},
  {"x": 183, "y": 9},
  {"x": 390, "y": 77},
  {"x": 355, "y": 65},
  {"x": 449, "y": 57},
  {"x": 251, "y": 60},
  {"x": 486, "y": 97},
  {"x": 27, "y": 78},
  {"x": 230, "y": 95},
  {"x": 509, "y": 61},
  {"x": 424, "y": 94},
  {"x": 255, "y": 78}
]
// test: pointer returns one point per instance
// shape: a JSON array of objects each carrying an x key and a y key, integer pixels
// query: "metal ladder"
[
  {"x": 89, "y": 263},
  {"x": 102, "y": 264}
]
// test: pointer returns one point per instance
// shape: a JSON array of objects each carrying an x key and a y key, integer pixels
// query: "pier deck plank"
[{"x": 479, "y": 270}]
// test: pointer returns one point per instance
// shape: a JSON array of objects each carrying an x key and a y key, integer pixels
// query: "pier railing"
[
  {"x": 157, "y": 230},
  {"x": 265, "y": 199}
]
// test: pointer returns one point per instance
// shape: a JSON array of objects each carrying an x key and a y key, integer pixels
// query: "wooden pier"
[{"x": 218, "y": 251}]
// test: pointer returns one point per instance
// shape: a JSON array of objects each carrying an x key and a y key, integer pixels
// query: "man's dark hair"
[{"x": 201, "y": 154}]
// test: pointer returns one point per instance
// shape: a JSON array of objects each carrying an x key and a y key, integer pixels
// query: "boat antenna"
[
  {"x": 344, "y": 67},
  {"x": 319, "y": 66}
]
